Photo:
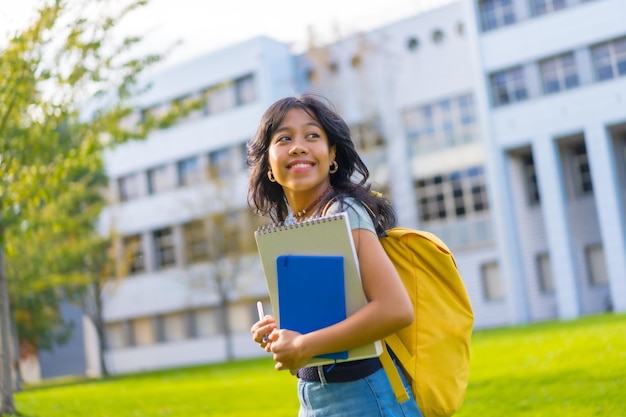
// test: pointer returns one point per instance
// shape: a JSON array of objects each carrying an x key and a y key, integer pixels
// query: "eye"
[
  {"x": 282, "y": 138},
  {"x": 313, "y": 135}
]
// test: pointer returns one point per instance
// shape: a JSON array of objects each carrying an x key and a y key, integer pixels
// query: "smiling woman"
[{"x": 302, "y": 159}]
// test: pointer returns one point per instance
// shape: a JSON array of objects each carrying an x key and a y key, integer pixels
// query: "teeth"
[{"x": 300, "y": 165}]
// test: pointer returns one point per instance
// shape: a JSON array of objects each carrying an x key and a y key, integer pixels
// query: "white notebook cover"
[{"x": 330, "y": 236}]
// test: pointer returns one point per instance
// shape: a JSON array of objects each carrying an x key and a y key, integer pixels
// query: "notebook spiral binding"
[{"x": 278, "y": 227}]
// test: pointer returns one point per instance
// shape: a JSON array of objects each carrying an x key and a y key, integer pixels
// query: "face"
[{"x": 299, "y": 155}]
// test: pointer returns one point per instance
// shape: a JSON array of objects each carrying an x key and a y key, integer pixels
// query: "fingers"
[{"x": 261, "y": 329}]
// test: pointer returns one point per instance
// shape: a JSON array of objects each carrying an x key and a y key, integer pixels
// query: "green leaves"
[{"x": 66, "y": 83}]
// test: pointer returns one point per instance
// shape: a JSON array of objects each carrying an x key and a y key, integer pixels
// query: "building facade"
[
  {"x": 551, "y": 84},
  {"x": 189, "y": 274},
  {"x": 499, "y": 125}
]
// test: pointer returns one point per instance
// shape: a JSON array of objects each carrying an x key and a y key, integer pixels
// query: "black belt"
[{"x": 341, "y": 372}]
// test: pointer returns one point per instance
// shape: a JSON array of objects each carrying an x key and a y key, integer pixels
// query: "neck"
[{"x": 302, "y": 214}]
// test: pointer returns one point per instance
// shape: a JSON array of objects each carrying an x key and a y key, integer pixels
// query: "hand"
[
  {"x": 261, "y": 330},
  {"x": 288, "y": 349}
]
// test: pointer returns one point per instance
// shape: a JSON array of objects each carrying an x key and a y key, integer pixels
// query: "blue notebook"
[{"x": 311, "y": 294}]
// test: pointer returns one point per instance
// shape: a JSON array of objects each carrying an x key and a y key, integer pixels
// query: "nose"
[{"x": 298, "y": 147}]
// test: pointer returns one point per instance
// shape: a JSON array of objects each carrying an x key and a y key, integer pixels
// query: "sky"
[{"x": 206, "y": 25}]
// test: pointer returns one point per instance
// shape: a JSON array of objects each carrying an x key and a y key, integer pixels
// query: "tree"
[{"x": 66, "y": 82}]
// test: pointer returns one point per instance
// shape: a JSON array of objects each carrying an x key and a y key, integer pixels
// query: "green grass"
[{"x": 575, "y": 369}]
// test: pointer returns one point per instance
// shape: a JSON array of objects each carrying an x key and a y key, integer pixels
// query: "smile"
[{"x": 300, "y": 165}]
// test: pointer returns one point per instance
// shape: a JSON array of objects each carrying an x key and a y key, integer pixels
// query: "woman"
[{"x": 303, "y": 164}]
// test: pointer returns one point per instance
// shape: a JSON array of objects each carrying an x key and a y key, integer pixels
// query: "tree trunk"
[
  {"x": 7, "y": 405},
  {"x": 100, "y": 328},
  {"x": 226, "y": 329}
]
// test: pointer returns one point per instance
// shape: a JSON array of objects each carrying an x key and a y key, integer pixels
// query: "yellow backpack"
[{"x": 434, "y": 351}]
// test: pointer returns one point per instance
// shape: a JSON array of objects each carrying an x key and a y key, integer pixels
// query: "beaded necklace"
[{"x": 300, "y": 214}]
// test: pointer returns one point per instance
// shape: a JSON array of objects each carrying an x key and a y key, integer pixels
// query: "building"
[
  {"x": 179, "y": 213},
  {"x": 499, "y": 125},
  {"x": 551, "y": 85}
]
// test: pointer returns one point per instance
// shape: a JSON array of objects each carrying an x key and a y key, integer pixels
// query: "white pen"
[{"x": 259, "y": 308}]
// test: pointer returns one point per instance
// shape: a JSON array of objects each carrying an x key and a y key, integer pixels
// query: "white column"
[
  {"x": 606, "y": 192},
  {"x": 500, "y": 198},
  {"x": 149, "y": 255},
  {"x": 556, "y": 223},
  {"x": 400, "y": 176},
  {"x": 179, "y": 246},
  {"x": 502, "y": 211}
]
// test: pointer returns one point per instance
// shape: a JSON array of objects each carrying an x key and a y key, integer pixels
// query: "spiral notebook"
[{"x": 326, "y": 237}]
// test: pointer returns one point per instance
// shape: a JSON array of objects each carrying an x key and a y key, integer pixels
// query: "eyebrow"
[{"x": 284, "y": 128}]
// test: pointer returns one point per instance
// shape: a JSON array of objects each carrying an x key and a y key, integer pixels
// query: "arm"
[{"x": 388, "y": 310}]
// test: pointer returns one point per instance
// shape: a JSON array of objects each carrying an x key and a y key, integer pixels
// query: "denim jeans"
[{"x": 371, "y": 396}]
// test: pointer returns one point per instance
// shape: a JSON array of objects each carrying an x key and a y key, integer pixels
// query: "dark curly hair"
[{"x": 268, "y": 198}]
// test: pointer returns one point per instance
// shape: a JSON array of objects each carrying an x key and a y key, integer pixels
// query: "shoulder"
[{"x": 357, "y": 213}]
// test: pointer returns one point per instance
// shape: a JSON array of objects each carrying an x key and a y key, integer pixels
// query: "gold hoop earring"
[
  {"x": 334, "y": 167},
  {"x": 270, "y": 175}
]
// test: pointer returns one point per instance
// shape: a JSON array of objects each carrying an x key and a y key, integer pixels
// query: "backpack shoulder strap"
[{"x": 394, "y": 376}]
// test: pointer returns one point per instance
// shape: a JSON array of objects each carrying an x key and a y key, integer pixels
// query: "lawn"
[{"x": 574, "y": 368}]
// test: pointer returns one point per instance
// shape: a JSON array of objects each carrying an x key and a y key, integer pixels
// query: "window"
[
  {"x": 225, "y": 233},
  {"x": 443, "y": 124},
  {"x": 313, "y": 76},
  {"x": 582, "y": 173},
  {"x": 609, "y": 59},
  {"x": 544, "y": 273},
  {"x": 131, "y": 121},
  {"x": 192, "y": 104},
  {"x": 493, "y": 288},
  {"x": 596, "y": 265},
  {"x": 412, "y": 44},
  {"x": 540, "y": 7},
  {"x": 249, "y": 222},
  {"x": 196, "y": 241},
  {"x": 132, "y": 259},
  {"x": 245, "y": 90},
  {"x": 164, "y": 247},
  {"x": 173, "y": 327},
  {"x": 367, "y": 136},
  {"x": 530, "y": 179},
  {"x": 437, "y": 36},
  {"x": 119, "y": 334},
  {"x": 496, "y": 13},
  {"x": 156, "y": 112},
  {"x": 220, "y": 164},
  {"x": 452, "y": 196},
  {"x": 204, "y": 322},
  {"x": 559, "y": 73},
  {"x": 189, "y": 172},
  {"x": 128, "y": 187},
  {"x": 159, "y": 180},
  {"x": 356, "y": 61},
  {"x": 508, "y": 86},
  {"x": 221, "y": 98},
  {"x": 460, "y": 28},
  {"x": 431, "y": 198},
  {"x": 144, "y": 332},
  {"x": 241, "y": 316},
  {"x": 254, "y": 222}
]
